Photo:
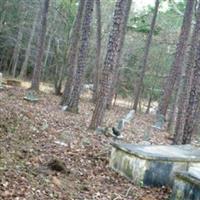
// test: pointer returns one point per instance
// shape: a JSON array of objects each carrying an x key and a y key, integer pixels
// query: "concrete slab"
[
  {"x": 194, "y": 172},
  {"x": 152, "y": 165},
  {"x": 162, "y": 152},
  {"x": 31, "y": 96},
  {"x": 187, "y": 185}
]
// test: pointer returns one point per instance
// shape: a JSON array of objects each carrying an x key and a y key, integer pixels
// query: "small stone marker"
[
  {"x": 126, "y": 119},
  {"x": 13, "y": 82},
  {"x": 129, "y": 116},
  {"x": 187, "y": 185},
  {"x": 64, "y": 108},
  {"x": 152, "y": 165},
  {"x": 31, "y": 96},
  {"x": 160, "y": 121},
  {"x": 118, "y": 128},
  {"x": 60, "y": 143}
]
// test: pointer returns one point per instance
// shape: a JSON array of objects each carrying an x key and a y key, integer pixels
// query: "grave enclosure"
[
  {"x": 187, "y": 185},
  {"x": 154, "y": 165}
]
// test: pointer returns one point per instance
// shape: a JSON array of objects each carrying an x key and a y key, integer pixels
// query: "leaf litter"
[{"x": 33, "y": 135}]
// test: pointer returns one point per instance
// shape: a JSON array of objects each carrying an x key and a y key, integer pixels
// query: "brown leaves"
[
  {"x": 56, "y": 181},
  {"x": 36, "y": 133}
]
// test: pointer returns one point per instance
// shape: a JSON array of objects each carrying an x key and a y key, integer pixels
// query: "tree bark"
[
  {"x": 184, "y": 96},
  {"x": 51, "y": 33},
  {"x": 176, "y": 68},
  {"x": 40, "y": 49},
  {"x": 193, "y": 107},
  {"x": 17, "y": 51},
  {"x": 116, "y": 72},
  {"x": 114, "y": 83},
  {"x": 113, "y": 49},
  {"x": 194, "y": 99},
  {"x": 145, "y": 58},
  {"x": 28, "y": 50},
  {"x": 82, "y": 55},
  {"x": 72, "y": 52},
  {"x": 98, "y": 52}
]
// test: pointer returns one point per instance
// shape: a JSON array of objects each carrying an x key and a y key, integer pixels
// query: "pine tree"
[
  {"x": 176, "y": 68},
  {"x": 145, "y": 57},
  {"x": 40, "y": 49},
  {"x": 183, "y": 98},
  {"x": 98, "y": 52},
  {"x": 82, "y": 55},
  {"x": 72, "y": 52},
  {"x": 110, "y": 61}
]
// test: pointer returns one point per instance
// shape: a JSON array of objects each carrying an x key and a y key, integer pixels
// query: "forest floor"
[{"x": 33, "y": 134}]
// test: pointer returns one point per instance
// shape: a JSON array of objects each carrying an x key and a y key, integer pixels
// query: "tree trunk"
[
  {"x": 149, "y": 105},
  {"x": 173, "y": 110},
  {"x": 2, "y": 18},
  {"x": 2, "y": 59},
  {"x": 40, "y": 49},
  {"x": 113, "y": 49},
  {"x": 28, "y": 50},
  {"x": 116, "y": 75},
  {"x": 82, "y": 55},
  {"x": 145, "y": 58},
  {"x": 59, "y": 69},
  {"x": 113, "y": 88},
  {"x": 72, "y": 52},
  {"x": 16, "y": 52},
  {"x": 183, "y": 98},
  {"x": 150, "y": 100},
  {"x": 175, "y": 71},
  {"x": 48, "y": 49},
  {"x": 194, "y": 98},
  {"x": 51, "y": 33},
  {"x": 98, "y": 53},
  {"x": 170, "y": 124},
  {"x": 17, "y": 48}
]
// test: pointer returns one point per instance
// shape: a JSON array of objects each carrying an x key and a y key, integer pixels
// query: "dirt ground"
[{"x": 33, "y": 134}]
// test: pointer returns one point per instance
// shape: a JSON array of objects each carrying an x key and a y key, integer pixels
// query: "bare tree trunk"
[
  {"x": 98, "y": 52},
  {"x": 57, "y": 83},
  {"x": 170, "y": 124},
  {"x": 113, "y": 88},
  {"x": 174, "y": 107},
  {"x": 176, "y": 68},
  {"x": 59, "y": 69},
  {"x": 82, "y": 55},
  {"x": 150, "y": 100},
  {"x": 116, "y": 72},
  {"x": 3, "y": 15},
  {"x": 48, "y": 49},
  {"x": 193, "y": 107},
  {"x": 51, "y": 33},
  {"x": 113, "y": 48},
  {"x": 2, "y": 59},
  {"x": 145, "y": 58},
  {"x": 16, "y": 52},
  {"x": 6, "y": 61},
  {"x": 28, "y": 50},
  {"x": 194, "y": 102},
  {"x": 183, "y": 98},
  {"x": 149, "y": 105},
  {"x": 40, "y": 52},
  {"x": 72, "y": 52}
]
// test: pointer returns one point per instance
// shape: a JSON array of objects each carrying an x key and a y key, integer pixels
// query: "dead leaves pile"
[{"x": 31, "y": 135}]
